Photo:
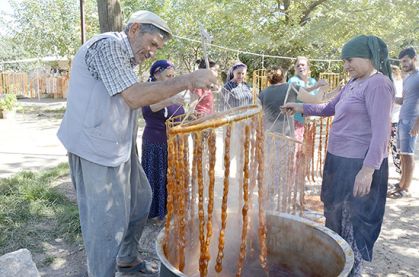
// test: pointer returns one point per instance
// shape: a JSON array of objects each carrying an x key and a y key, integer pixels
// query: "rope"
[{"x": 238, "y": 51}]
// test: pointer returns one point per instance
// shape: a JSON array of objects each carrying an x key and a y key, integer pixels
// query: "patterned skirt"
[
  {"x": 154, "y": 162},
  {"x": 358, "y": 220}
]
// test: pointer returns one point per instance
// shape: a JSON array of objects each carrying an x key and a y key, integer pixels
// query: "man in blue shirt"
[{"x": 408, "y": 126}]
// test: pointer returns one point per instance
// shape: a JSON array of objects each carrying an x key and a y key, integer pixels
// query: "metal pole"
[{"x": 82, "y": 27}]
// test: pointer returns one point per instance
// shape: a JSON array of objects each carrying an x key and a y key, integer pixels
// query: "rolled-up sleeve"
[{"x": 109, "y": 62}]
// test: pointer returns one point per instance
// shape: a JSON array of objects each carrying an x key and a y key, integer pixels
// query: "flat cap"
[{"x": 150, "y": 18}]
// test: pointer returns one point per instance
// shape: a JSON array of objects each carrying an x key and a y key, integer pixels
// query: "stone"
[{"x": 18, "y": 264}]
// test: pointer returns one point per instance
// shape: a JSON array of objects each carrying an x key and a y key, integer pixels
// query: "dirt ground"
[{"x": 396, "y": 252}]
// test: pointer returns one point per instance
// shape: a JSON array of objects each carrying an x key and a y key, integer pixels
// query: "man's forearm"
[{"x": 145, "y": 94}]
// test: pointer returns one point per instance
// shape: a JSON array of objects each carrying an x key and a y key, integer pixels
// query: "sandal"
[
  {"x": 144, "y": 267},
  {"x": 398, "y": 194},
  {"x": 395, "y": 187}
]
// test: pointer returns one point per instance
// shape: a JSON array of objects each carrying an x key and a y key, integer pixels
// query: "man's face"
[
  {"x": 407, "y": 64},
  {"x": 144, "y": 45}
]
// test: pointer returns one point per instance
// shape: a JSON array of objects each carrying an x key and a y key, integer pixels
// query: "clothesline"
[
  {"x": 258, "y": 54},
  {"x": 45, "y": 59}
]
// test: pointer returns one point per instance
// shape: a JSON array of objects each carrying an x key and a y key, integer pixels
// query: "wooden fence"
[{"x": 21, "y": 84}]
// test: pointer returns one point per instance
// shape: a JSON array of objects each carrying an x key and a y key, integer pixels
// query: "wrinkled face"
[
  {"x": 166, "y": 74},
  {"x": 239, "y": 75},
  {"x": 301, "y": 68},
  {"x": 144, "y": 45},
  {"x": 407, "y": 64},
  {"x": 358, "y": 68}
]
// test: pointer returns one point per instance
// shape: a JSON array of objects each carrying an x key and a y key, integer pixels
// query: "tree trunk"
[{"x": 110, "y": 16}]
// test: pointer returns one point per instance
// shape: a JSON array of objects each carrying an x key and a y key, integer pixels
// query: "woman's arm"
[
  {"x": 304, "y": 95},
  {"x": 326, "y": 109},
  {"x": 378, "y": 101}
]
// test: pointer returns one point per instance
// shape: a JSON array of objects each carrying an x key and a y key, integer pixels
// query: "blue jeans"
[{"x": 113, "y": 204}]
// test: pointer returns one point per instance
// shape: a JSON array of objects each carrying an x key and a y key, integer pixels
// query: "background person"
[
  {"x": 408, "y": 126},
  {"x": 99, "y": 131},
  {"x": 272, "y": 98},
  {"x": 154, "y": 139},
  {"x": 302, "y": 79},
  {"x": 308, "y": 91},
  {"x": 398, "y": 84},
  {"x": 236, "y": 91},
  {"x": 205, "y": 106},
  {"x": 355, "y": 173}
]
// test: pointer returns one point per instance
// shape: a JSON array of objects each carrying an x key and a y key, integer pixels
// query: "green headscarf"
[{"x": 369, "y": 47}]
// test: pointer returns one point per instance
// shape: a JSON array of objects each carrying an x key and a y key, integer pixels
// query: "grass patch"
[
  {"x": 48, "y": 260},
  {"x": 33, "y": 109},
  {"x": 32, "y": 211}
]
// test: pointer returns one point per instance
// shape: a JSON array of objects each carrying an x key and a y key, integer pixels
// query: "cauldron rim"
[{"x": 344, "y": 246}]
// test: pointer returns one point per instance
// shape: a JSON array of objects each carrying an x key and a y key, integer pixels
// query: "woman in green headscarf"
[{"x": 355, "y": 173}]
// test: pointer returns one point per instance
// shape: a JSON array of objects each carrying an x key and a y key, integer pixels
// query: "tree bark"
[{"x": 110, "y": 16}]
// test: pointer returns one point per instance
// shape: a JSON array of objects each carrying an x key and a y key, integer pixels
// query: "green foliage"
[
  {"x": 45, "y": 28},
  {"x": 301, "y": 28},
  {"x": 32, "y": 211},
  {"x": 314, "y": 28},
  {"x": 8, "y": 102}
]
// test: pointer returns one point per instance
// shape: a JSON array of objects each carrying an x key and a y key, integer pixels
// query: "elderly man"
[
  {"x": 408, "y": 126},
  {"x": 99, "y": 130}
]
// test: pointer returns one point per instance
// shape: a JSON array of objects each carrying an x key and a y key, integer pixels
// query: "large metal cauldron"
[{"x": 303, "y": 247}]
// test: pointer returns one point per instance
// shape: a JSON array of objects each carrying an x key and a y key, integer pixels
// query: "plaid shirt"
[{"x": 112, "y": 61}]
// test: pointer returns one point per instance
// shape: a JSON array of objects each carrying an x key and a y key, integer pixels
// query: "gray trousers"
[{"x": 113, "y": 204}]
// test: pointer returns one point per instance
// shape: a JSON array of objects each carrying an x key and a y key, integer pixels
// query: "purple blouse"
[
  {"x": 155, "y": 127},
  {"x": 361, "y": 126}
]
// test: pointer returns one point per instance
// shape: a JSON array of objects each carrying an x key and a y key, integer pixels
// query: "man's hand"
[
  {"x": 363, "y": 181},
  {"x": 292, "y": 108},
  {"x": 203, "y": 78},
  {"x": 415, "y": 129}
]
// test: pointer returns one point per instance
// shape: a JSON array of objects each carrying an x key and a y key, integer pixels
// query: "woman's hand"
[
  {"x": 292, "y": 108},
  {"x": 363, "y": 181}
]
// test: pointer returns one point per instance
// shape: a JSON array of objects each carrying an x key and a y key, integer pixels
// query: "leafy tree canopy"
[{"x": 314, "y": 28}]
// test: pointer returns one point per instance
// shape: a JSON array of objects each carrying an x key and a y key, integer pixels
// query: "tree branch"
[{"x": 306, "y": 13}]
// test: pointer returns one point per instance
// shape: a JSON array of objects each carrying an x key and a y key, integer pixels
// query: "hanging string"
[
  {"x": 263, "y": 61},
  {"x": 191, "y": 40},
  {"x": 252, "y": 53}
]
